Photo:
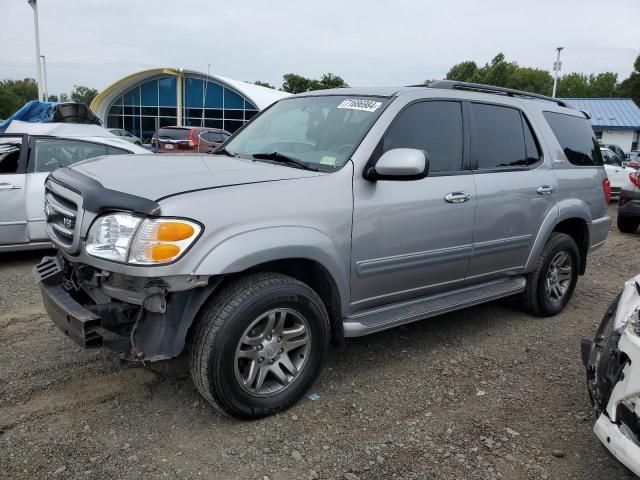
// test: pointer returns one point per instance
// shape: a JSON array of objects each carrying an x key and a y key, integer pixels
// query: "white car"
[
  {"x": 617, "y": 173},
  {"x": 129, "y": 137},
  {"x": 28, "y": 153},
  {"x": 612, "y": 361}
]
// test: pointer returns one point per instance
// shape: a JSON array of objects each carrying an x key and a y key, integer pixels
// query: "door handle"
[
  {"x": 545, "y": 190},
  {"x": 457, "y": 197},
  {"x": 8, "y": 186}
]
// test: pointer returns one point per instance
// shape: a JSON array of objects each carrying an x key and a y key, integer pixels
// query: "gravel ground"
[{"x": 485, "y": 393}]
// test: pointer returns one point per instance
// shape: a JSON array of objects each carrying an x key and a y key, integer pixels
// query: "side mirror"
[{"x": 400, "y": 164}]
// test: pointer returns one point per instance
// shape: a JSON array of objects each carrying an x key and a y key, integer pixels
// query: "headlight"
[
  {"x": 127, "y": 238},
  {"x": 109, "y": 236}
]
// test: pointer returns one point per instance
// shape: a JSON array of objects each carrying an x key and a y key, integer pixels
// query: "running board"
[{"x": 381, "y": 318}]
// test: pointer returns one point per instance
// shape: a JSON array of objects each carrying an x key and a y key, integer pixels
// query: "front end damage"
[
  {"x": 142, "y": 319},
  {"x": 612, "y": 361}
]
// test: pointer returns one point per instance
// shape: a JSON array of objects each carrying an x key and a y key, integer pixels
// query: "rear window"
[
  {"x": 502, "y": 138},
  {"x": 173, "y": 133},
  {"x": 576, "y": 138}
]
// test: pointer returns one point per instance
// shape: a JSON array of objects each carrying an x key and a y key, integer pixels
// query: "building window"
[
  {"x": 598, "y": 134},
  {"x": 150, "y": 105}
]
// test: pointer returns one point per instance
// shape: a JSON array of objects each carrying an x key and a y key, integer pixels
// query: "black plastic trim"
[{"x": 98, "y": 199}]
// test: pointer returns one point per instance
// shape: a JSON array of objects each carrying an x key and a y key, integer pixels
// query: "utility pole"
[
  {"x": 44, "y": 71},
  {"x": 557, "y": 66},
  {"x": 34, "y": 5}
]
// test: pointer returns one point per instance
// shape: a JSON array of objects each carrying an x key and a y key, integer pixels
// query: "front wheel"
[
  {"x": 553, "y": 280},
  {"x": 258, "y": 345}
]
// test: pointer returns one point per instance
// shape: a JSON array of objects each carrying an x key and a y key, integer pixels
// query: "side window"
[
  {"x": 50, "y": 153},
  {"x": 499, "y": 138},
  {"x": 432, "y": 126},
  {"x": 576, "y": 138},
  {"x": 9, "y": 154},
  {"x": 531, "y": 144}
]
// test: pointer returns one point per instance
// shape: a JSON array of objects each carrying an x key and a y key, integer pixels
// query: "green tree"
[
  {"x": 82, "y": 94},
  {"x": 628, "y": 88},
  {"x": 263, "y": 84},
  {"x": 64, "y": 97},
  {"x": 573, "y": 85},
  {"x": 462, "y": 72},
  {"x": 15, "y": 93},
  {"x": 501, "y": 73},
  {"x": 603, "y": 84},
  {"x": 53, "y": 98},
  {"x": 294, "y": 83}
]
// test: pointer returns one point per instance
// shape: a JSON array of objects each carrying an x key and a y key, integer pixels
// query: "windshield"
[{"x": 320, "y": 131}]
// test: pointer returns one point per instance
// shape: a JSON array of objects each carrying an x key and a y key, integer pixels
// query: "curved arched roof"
[{"x": 261, "y": 97}]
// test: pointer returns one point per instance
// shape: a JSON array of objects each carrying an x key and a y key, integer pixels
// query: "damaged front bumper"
[
  {"x": 612, "y": 361},
  {"x": 149, "y": 322}
]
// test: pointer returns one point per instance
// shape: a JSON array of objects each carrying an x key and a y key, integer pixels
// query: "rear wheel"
[
  {"x": 552, "y": 282},
  {"x": 627, "y": 225},
  {"x": 259, "y": 345}
]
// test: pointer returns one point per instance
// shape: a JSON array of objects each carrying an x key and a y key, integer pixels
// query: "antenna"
[{"x": 204, "y": 93}]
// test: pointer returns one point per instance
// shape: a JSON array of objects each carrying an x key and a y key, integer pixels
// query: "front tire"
[
  {"x": 258, "y": 345},
  {"x": 553, "y": 280},
  {"x": 628, "y": 225}
]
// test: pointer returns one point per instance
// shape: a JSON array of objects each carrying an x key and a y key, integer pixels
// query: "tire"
[
  {"x": 627, "y": 225},
  {"x": 216, "y": 354},
  {"x": 537, "y": 299}
]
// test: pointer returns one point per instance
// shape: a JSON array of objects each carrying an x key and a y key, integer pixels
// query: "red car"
[{"x": 188, "y": 139}]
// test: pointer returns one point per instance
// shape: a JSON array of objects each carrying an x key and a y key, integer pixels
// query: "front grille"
[{"x": 61, "y": 216}]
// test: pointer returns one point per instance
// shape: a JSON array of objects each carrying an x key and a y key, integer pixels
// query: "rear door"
[
  {"x": 13, "y": 215},
  {"x": 515, "y": 190}
]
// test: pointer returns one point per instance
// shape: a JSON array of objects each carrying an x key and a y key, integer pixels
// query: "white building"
[
  {"x": 145, "y": 101},
  {"x": 614, "y": 120}
]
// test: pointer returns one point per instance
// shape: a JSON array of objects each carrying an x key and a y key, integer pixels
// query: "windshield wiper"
[
  {"x": 282, "y": 158},
  {"x": 222, "y": 151}
]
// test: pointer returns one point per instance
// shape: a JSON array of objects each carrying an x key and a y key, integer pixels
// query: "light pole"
[
  {"x": 557, "y": 66},
  {"x": 44, "y": 71},
  {"x": 34, "y": 5}
]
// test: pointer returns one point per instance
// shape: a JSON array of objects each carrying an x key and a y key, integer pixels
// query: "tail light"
[
  {"x": 633, "y": 164},
  {"x": 192, "y": 139},
  {"x": 635, "y": 179},
  {"x": 606, "y": 189}
]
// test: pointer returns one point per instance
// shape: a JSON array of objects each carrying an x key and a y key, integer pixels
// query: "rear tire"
[
  {"x": 553, "y": 280},
  {"x": 242, "y": 336},
  {"x": 628, "y": 225}
]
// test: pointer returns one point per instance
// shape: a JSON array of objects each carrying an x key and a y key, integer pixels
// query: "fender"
[
  {"x": 249, "y": 249},
  {"x": 565, "y": 209}
]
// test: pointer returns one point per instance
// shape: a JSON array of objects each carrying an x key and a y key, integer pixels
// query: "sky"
[{"x": 381, "y": 42}]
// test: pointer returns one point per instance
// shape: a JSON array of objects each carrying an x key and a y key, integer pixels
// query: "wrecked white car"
[{"x": 612, "y": 361}]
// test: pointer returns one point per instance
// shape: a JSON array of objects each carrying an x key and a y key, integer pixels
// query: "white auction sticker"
[{"x": 360, "y": 104}]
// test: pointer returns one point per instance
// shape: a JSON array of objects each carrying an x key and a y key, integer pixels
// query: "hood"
[{"x": 159, "y": 176}]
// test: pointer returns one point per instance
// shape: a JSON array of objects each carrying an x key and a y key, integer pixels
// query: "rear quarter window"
[
  {"x": 173, "y": 133},
  {"x": 576, "y": 138}
]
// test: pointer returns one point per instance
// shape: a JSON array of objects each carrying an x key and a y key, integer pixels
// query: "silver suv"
[{"x": 332, "y": 214}]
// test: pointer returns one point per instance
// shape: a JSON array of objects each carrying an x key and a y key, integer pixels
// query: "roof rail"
[{"x": 455, "y": 85}]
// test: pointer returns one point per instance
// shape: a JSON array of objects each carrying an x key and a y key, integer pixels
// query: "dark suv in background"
[{"x": 188, "y": 139}]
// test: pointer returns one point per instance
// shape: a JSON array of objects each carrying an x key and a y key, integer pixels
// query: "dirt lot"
[{"x": 485, "y": 393}]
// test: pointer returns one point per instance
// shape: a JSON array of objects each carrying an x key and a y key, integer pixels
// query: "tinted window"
[
  {"x": 576, "y": 138},
  {"x": 51, "y": 153},
  {"x": 530, "y": 143},
  {"x": 173, "y": 133},
  {"x": 435, "y": 127},
  {"x": 9, "y": 154},
  {"x": 499, "y": 138}
]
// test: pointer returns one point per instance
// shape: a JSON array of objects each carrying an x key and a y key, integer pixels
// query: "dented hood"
[{"x": 159, "y": 176}]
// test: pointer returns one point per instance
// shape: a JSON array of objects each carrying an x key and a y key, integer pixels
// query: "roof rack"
[{"x": 455, "y": 85}]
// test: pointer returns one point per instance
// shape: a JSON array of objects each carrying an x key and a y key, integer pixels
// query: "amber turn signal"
[
  {"x": 173, "y": 231},
  {"x": 164, "y": 251}
]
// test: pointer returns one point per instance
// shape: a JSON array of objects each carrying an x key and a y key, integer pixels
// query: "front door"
[
  {"x": 13, "y": 215},
  {"x": 515, "y": 191},
  {"x": 413, "y": 238}
]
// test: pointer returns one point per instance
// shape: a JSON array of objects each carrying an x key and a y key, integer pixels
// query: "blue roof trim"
[{"x": 609, "y": 113}]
